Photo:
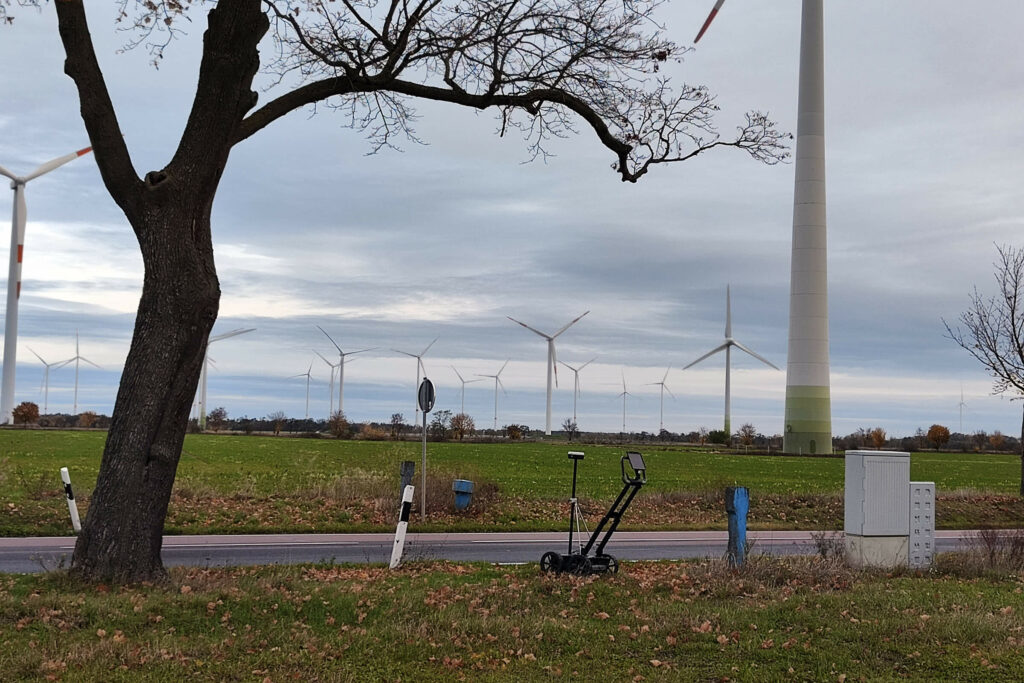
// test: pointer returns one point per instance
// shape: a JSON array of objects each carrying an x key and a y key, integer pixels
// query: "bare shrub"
[
  {"x": 369, "y": 432},
  {"x": 87, "y": 419},
  {"x": 991, "y": 552},
  {"x": 829, "y": 544},
  {"x": 37, "y": 486}
]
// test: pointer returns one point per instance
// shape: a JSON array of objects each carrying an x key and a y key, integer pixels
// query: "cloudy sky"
[{"x": 924, "y": 101}]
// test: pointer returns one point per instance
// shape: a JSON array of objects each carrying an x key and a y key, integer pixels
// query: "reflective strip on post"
[
  {"x": 403, "y": 526},
  {"x": 72, "y": 505}
]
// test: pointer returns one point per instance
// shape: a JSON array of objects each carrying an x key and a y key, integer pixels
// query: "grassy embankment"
[
  {"x": 236, "y": 484},
  {"x": 776, "y": 620}
]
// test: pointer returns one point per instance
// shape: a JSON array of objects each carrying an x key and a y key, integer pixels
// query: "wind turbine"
[
  {"x": 808, "y": 421},
  {"x": 664, "y": 388},
  {"x": 727, "y": 347},
  {"x": 962, "y": 404},
  {"x": 341, "y": 369},
  {"x": 333, "y": 367},
  {"x": 576, "y": 383},
  {"x": 14, "y": 276},
  {"x": 552, "y": 361},
  {"x": 624, "y": 394},
  {"x": 464, "y": 383},
  {"x": 419, "y": 366},
  {"x": 308, "y": 375},
  {"x": 497, "y": 383},
  {"x": 205, "y": 369},
  {"x": 55, "y": 366},
  {"x": 79, "y": 357}
]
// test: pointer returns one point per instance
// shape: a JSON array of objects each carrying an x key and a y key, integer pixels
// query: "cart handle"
[{"x": 636, "y": 463}]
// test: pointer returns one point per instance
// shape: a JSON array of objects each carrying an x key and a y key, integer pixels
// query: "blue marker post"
[{"x": 737, "y": 504}]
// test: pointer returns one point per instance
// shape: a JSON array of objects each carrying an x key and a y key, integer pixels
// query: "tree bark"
[
  {"x": 169, "y": 211},
  {"x": 1021, "y": 492}
]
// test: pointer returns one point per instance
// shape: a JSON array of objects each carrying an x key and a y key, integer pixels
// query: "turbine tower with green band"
[{"x": 808, "y": 426}]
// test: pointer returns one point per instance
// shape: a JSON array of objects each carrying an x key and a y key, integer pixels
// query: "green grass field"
[
  {"x": 255, "y": 483},
  {"x": 802, "y": 619}
]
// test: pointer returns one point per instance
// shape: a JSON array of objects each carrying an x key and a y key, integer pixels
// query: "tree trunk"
[
  {"x": 1021, "y": 493},
  {"x": 170, "y": 213},
  {"x": 123, "y": 531}
]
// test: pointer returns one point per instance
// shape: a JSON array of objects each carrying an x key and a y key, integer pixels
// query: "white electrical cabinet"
[
  {"x": 877, "y": 493},
  {"x": 922, "y": 524}
]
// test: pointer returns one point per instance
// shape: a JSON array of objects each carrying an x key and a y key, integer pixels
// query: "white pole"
[
  {"x": 72, "y": 505},
  {"x": 551, "y": 365},
  {"x": 403, "y": 526},
  {"x": 13, "y": 293},
  {"x": 341, "y": 383},
  {"x": 728, "y": 411},
  {"x": 423, "y": 474},
  {"x": 202, "y": 392}
]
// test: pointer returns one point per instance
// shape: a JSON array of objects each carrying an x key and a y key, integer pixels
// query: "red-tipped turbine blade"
[{"x": 707, "y": 22}]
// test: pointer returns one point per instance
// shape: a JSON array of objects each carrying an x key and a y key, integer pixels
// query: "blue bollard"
[
  {"x": 463, "y": 489},
  {"x": 737, "y": 504}
]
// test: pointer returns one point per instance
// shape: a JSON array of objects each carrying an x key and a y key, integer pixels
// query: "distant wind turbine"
[
  {"x": 14, "y": 276},
  {"x": 333, "y": 367},
  {"x": 497, "y": 383},
  {"x": 341, "y": 370},
  {"x": 624, "y": 394},
  {"x": 962, "y": 404},
  {"x": 46, "y": 377},
  {"x": 205, "y": 370},
  {"x": 727, "y": 347},
  {"x": 664, "y": 388},
  {"x": 308, "y": 375},
  {"x": 464, "y": 383},
  {"x": 419, "y": 367},
  {"x": 79, "y": 357},
  {"x": 576, "y": 383},
  {"x": 552, "y": 361}
]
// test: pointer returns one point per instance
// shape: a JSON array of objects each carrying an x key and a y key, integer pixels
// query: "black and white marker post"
[
  {"x": 403, "y": 526},
  {"x": 72, "y": 505},
  {"x": 426, "y": 399}
]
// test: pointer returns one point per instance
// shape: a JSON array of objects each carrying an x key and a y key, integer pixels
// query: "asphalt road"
[{"x": 38, "y": 554}]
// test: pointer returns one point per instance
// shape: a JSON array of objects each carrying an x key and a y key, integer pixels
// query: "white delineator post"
[
  {"x": 403, "y": 526},
  {"x": 76, "y": 524},
  {"x": 808, "y": 420},
  {"x": 14, "y": 277}
]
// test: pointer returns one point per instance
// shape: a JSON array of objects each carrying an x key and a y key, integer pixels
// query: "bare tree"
[
  {"x": 545, "y": 66},
  {"x": 992, "y": 330},
  {"x": 878, "y": 437}
]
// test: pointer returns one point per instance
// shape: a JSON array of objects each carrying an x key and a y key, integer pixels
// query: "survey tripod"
[{"x": 579, "y": 560}]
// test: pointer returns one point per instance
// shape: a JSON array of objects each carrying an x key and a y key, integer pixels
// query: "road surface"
[{"x": 38, "y": 554}]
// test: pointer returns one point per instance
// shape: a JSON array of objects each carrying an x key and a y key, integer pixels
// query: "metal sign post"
[{"x": 426, "y": 398}]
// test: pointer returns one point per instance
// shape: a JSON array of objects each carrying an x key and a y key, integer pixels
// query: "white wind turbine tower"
[
  {"x": 205, "y": 369},
  {"x": 419, "y": 366},
  {"x": 333, "y": 367},
  {"x": 727, "y": 347},
  {"x": 464, "y": 383},
  {"x": 552, "y": 361},
  {"x": 341, "y": 369},
  {"x": 962, "y": 404},
  {"x": 14, "y": 276},
  {"x": 46, "y": 377},
  {"x": 79, "y": 357},
  {"x": 624, "y": 394},
  {"x": 576, "y": 383},
  {"x": 497, "y": 383},
  {"x": 308, "y": 375},
  {"x": 664, "y": 388}
]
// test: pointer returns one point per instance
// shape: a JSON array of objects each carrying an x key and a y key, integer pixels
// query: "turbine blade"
[
  {"x": 47, "y": 364},
  {"x": 323, "y": 359},
  {"x": 586, "y": 364},
  {"x": 232, "y": 333},
  {"x": 531, "y": 329},
  {"x": 707, "y": 355},
  {"x": 554, "y": 359},
  {"x": 91, "y": 363},
  {"x": 331, "y": 338},
  {"x": 5, "y": 172},
  {"x": 428, "y": 347},
  {"x": 707, "y": 22},
  {"x": 352, "y": 353},
  {"x": 19, "y": 197},
  {"x": 728, "y": 313},
  {"x": 406, "y": 353},
  {"x": 666, "y": 375},
  {"x": 757, "y": 356},
  {"x": 669, "y": 392},
  {"x": 501, "y": 384},
  {"x": 573, "y": 322},
  {"x": 54, "y": 163},
  {"x": 459, "y": 375},
  {"x": 503, "y": 368}
]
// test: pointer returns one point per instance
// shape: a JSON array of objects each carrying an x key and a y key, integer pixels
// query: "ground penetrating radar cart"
[{"x": 579, "y": 560}]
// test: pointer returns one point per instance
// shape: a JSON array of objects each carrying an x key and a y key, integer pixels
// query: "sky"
[{"x": 447, "y": 238}]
